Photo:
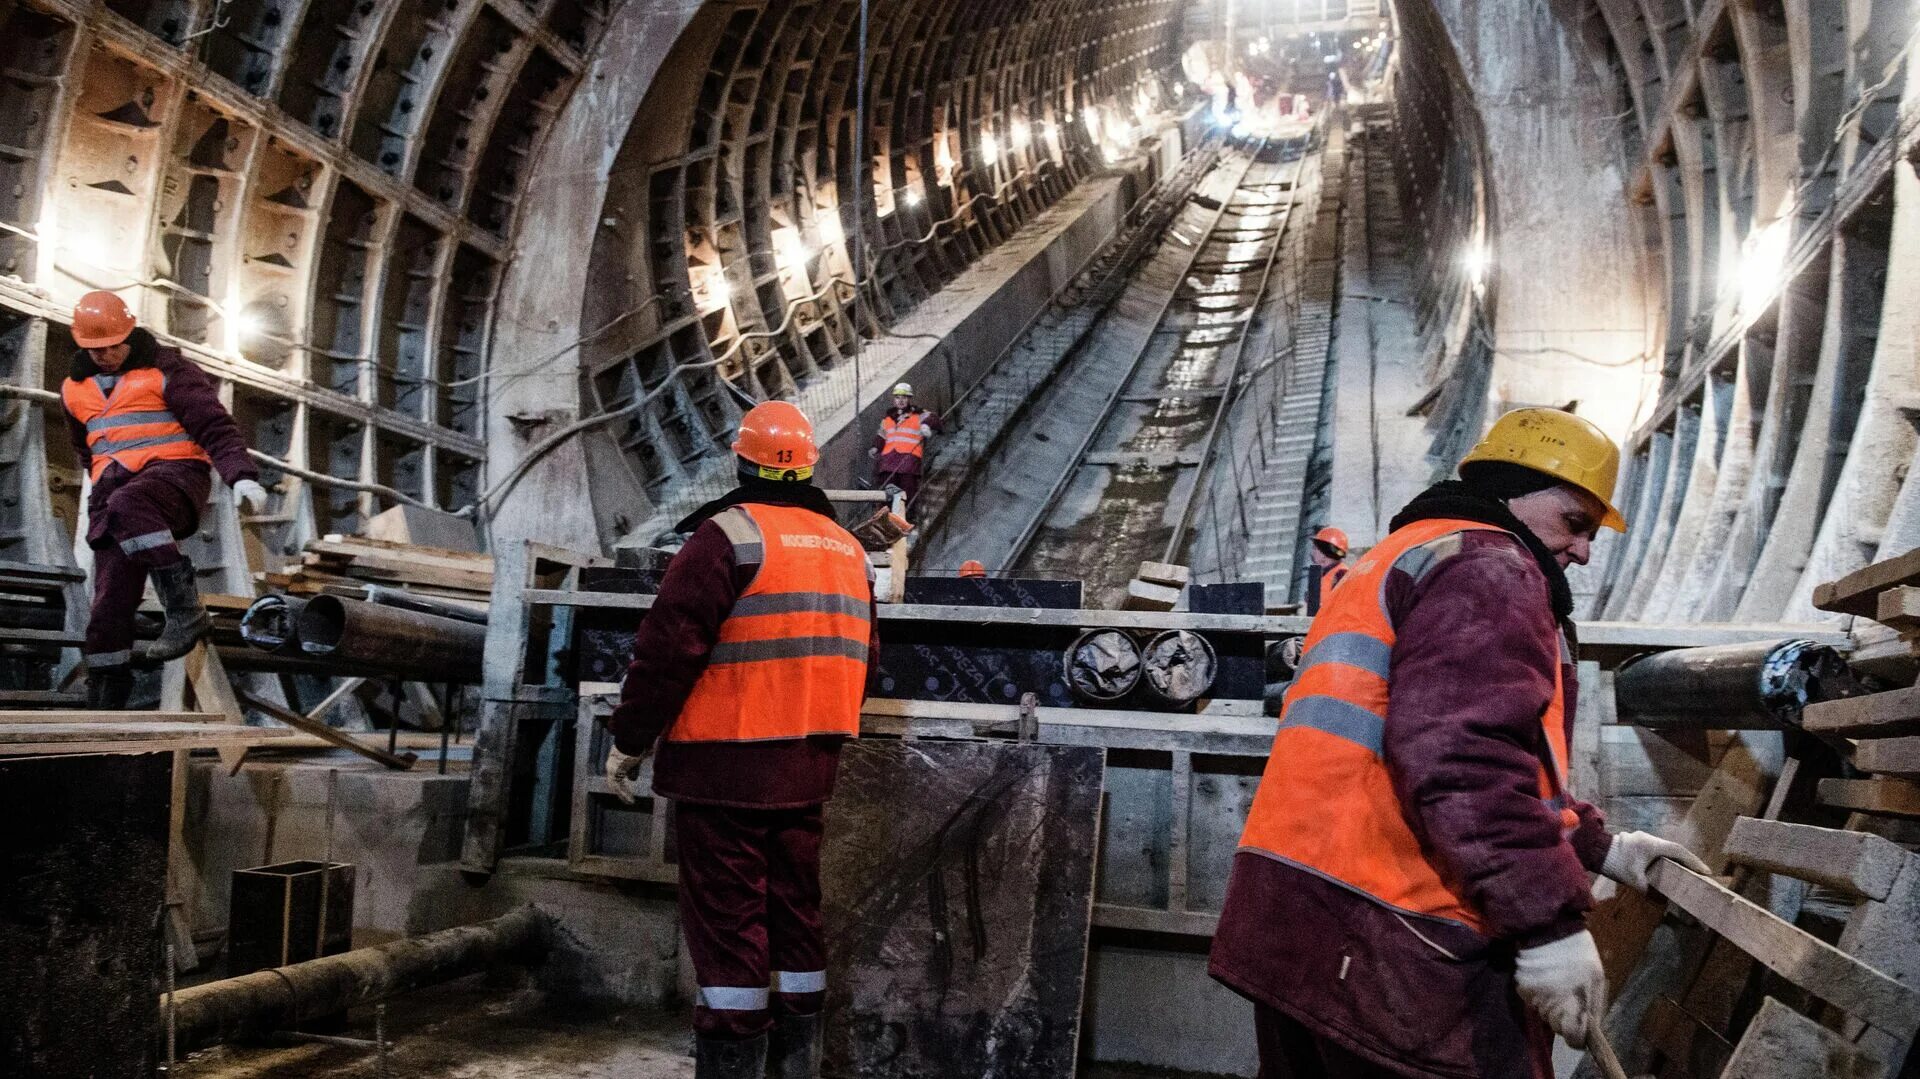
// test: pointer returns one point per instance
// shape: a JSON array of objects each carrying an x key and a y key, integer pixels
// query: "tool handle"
[{"x": 1601, "y": 1050}]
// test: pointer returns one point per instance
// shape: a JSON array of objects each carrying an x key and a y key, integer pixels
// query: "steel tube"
[
  {"x": 257, "y": 1004},
  {"x": 369, "y": 638},
  {"x": 1757, "y": 685},
  {"x": 387, "y": 596}
]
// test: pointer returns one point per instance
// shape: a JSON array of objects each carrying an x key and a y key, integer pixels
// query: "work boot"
[
  {"x": 109, "y": 688},
  {"x": 729, "y": 1058},
  {"x": 187, "y": 619},
  {"x": 793, "y": 1051}
]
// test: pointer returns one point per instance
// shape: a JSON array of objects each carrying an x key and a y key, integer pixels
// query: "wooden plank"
[
  {"x": 562, "y": 597},
  {"x": 31, "y": 740},
  {"x": 76, "y": 716},
  {"x": 1858, "y": 592},
  {"x": 1887, "y": 797},
  {"x": 213, "y": 692},
  {"x": 1888, "y": 757},
  {"x": 60, "y": 637},
  {"x": 1857, "y": 863},
  {"x": 1791, "y": 952},
  {"x": 319, "y": 729},
  {"x": 1780, "y": 1043},
  {"x": 1876, "y": 715},
  {"x": 1899, "y": 607}
]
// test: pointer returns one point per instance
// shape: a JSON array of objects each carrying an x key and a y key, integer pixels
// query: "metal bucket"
[
  {"x": 1102, "y": 665},
  {"x": 1178, "y": 667}
]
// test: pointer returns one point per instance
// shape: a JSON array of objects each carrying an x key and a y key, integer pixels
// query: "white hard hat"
[{"x": 903, "y": 389}]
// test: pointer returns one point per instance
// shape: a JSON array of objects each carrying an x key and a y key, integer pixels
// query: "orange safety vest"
[
  {"x": 791, "y": 659},
  {"x": 905, "y": 435},
  {"x": 132, "y": 424},
  {"x": 1326, "y": 802},
  {"x": 1332, "y": 578}
]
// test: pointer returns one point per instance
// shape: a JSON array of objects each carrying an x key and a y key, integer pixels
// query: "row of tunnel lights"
[{"x": 1108, "y": 127}]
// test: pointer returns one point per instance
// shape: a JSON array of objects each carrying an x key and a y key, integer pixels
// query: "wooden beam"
[
  {"x": 1883, "y": 797},
  {"x": 1791, "y": 952},
  {"x": 1858, "y": 592},
  {"x": 1860, "y": 864},
  {"x": 1876, "y": 715},
  {"x": 108, "y": 717},
  {"x": 1899, "y": 607},
  {"x": 43, "y": 739},
  {"x": 1899, "y": 757},
  {"x": 321, "y": 730}
]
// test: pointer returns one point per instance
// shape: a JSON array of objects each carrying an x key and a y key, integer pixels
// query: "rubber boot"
[
  {"x": 109, "y": 688},
  {"x": 793, "y": 1050},
  {"x": 187, "y": 619},
  {"x": 729, "y": 1058}
]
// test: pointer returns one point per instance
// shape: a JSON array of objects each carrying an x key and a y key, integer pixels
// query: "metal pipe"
[
  {"x": 258, "y": 1004},
  {"x": 1758, "y": 685},
  {"x": 388, "y": 596},
  {"x": 369, "y": 637},
  {"x": 272, "y": 624}
]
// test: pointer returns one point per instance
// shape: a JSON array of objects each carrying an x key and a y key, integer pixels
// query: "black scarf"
[
  {"x": 140, "y": 347},
  {"x": 770, "y": 492},
  {"x": 1465, "y": 501}
]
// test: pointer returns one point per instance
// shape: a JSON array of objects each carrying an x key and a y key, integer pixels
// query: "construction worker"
[
  {"x": 747, "y": 677},
  {"x": 972, "y": 568},
  {"x": 148, "y": 427},
  {"x": 1328, "y": 552},
  {"x": 899, "y": 450},
  {"x": 1410, "y": 893}
]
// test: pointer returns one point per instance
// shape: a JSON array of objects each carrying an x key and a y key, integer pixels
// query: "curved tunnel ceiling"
[
  {"x": 730, "y": 206},
  {"x": 314, "y": 196}
]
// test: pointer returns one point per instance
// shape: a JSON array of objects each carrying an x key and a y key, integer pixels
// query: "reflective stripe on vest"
[
  {"x": 1326, "y": 801},
  {"x": 906, "y": 435},
  {"x": 791, "y": 658},
  {"x": 127, "y": 420}
]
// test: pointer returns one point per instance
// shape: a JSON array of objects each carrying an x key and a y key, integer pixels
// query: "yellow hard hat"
[{"x": 1558, "y": 444}]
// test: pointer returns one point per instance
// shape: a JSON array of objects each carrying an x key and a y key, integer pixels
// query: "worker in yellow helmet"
[{"x": 1413, "y": 831}]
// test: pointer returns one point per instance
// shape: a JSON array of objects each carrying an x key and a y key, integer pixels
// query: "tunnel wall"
[{"x": 1769, "y": 149}]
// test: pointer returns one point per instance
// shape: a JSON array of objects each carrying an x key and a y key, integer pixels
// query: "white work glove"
[
  {"x": 871, "y": 452},
  {"x": 623, "y": 773},
  {"x": 1563, "y": 981},
  {"x": 250, "y": 494},
  {"x": 1632, "y": 855}
]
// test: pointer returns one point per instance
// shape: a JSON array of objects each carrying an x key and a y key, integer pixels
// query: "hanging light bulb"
[{"x": 989, "y": 148}]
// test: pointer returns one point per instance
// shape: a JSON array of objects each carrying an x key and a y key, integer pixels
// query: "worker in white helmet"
[{"x": 899, "y": 450}]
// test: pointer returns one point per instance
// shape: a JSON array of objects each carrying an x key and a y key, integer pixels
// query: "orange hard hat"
[
  {"x": 101, "y": 320},
  {"x": 972, "y": 568},
  {"x": 778, "y": 437},
  {"x": 1333, "y": 538}
]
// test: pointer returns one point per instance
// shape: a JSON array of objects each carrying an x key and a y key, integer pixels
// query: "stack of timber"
[
  {"x": 346, "y": 565},
  {"x": 1802, "y": 958},
  {"x": 34, "y": 633}
]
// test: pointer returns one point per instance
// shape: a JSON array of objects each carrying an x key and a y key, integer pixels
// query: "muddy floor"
[{"x": 470, "y": 1030}]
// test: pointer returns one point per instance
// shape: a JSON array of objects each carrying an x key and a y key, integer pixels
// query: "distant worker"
[
  {"x": 149, "y": 429},
  {"x": 972, "y": 568},
  {"x": 899, "y": 450},
  {"x": 1328, "y": 552},
  {"x": 747, "y": 677},
  {"x": 1413, "y": 833}
]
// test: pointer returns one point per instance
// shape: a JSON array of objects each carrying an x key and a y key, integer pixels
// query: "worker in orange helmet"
[
  {"x": 149, "y": 430},
  {"x": 1328, "y": 552},
  {"x": 972, "y": 568},
  {"x": 747, "y": 677},
  {"x": 1409, "y": 896}
]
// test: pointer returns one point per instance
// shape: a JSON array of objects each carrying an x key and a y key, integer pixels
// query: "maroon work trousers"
[
  {"x": 750, "y": 912},
  {"x": 133, "y": 522},
  {"x": 908, "y": 482}
]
